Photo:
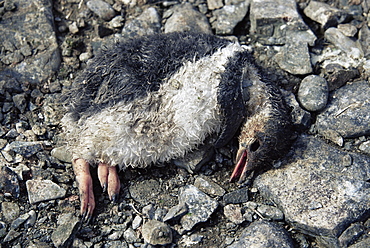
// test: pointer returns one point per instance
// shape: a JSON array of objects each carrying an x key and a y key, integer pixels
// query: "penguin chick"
[{"x": 152, "y": 99}]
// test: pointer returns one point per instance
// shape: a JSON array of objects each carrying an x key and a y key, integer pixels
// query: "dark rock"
[
  {"x": 20, "y": 102},
  {"x": 237, "y": 196},
  {"x": 2, "y": 229},
  {"x": 300, "y": 117},
  {"x": 264, "y": 234},
  {"x": 337, "y": 76},
  {"x": 316, "y": 192},
  {"x": 351, "y": 234},
  {"x": 103, "y": 31},
  {"x": 9, "y": 184},
  {"x": 67, "y": 227},
  {"x": 24, "y": 148},
  {"x": 149, "y": 22},
  {"x": 208, "y": 186}
]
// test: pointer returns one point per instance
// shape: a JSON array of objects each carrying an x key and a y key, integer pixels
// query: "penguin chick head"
[{"x": 264, "y": 137}]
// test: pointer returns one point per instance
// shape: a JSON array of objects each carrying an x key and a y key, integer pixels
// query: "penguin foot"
[
  {"x": 85, "y": 185},
  {"x": 109, "y": 180}
]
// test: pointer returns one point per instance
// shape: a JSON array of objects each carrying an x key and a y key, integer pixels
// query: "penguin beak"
[{"x": 241, "y": 167}]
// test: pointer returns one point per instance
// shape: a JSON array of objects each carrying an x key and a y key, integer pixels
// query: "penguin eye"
[{"x": 255, "y": 145}]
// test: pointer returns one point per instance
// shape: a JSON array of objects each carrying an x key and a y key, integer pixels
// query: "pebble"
[
  {"x": 43, "y": 190},
  {"x": 324, "y": 14},
  {"x": 208, "y": 186},
  {"x": 234, "y": 214},
  {"x": 176, "y": 212},
  {"x": 184, "y": 17},
  {"x": 156, "y": 233},
  {"x": 225, "y": 19},
  {"x": 11, "y": 236},
  {"x": 20, "y": 102},
  {"x": 364, "y": 39},
  {"x": 3, "y": 228},
  {"x": 237, "y": 196},
  {"x": 148, "y": 211},
  {"x": 10, "y": 211},
  {"x": 67, "y": 227},
  {"x": 300, "y": 117},
  {"x": 200, "y": 205},
  {"x": 344, "y": 43},
  {"x": 270, "y": 212},
  {"x": 353, "y": 232},
  {"x": 137, "y": 222},
  {"x": 130, "y": 236},
  {"x": 365, "y": 147},
  {"x": 214, "y": 4},
  {"x": 102, "y": 9},
  {"x": 62, "y": 154},
  {"x": 193, "y": 239},
  {"x": 347, "y": 29},
  {"x": 149, "y": 22},
  {"x": 73, "y": 28},
  {"x": 294, "y": 58},
  {"x": 117, "y": 22},
  {"x": 263, "y": 234},
  {"x": 24, "y": 148},
  {"x": 313, "y": 93}
]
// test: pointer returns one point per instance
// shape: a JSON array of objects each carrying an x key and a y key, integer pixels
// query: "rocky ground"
[{"x": 316, "y": 196}]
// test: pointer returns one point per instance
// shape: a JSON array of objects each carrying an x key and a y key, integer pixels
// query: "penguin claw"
[{"x": 109, "y": 180}]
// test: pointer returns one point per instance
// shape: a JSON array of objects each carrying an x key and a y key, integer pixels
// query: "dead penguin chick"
[{"x": 155, "y": 98}]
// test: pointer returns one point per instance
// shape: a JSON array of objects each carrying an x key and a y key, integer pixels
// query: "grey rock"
[
  {"x": 184, "y": 17},
  {"x": 316, "y": 192},
  {"x": 208, "y": 186},
  {"x": 233, "y": 213},
  {"x": 137, "y": 222},
  {"x": 24, "y": 148},
  {"x": 313, "y": 93},
  {"x": 200, "y": 205},
  {"x": 237, "y": 196},
  {"x": 362, "y": 244},
  {"x": 156, "y": 233},
  {"x": 364, "y": 39},
  {"x": 225, "y": 19},
  {"x": 19, "y": 221},
  {"x": 294, "y": 58},
  {"x": 130, "y": 236},
  {"x": 365, "y": 147},
  {"x": 117, "y": 22},
  {"x": 43, "y": 190},
  {"x": 20, "y": 102},
  {"x": 344, "y": 43},
  {"x": 31, "y": 219},
  {"x": 337, "y": 76},
  {"x": 300, "y": 117},
  {"x": 116, "y": 235},
  {"x": 15, "y": 29},
  {"x": 102, "y": 9},
  {"x": 2, "y": 229},
  {"x": 191, "y": 240},
  {"x": 263, "y": 234},
  {"x": 62, "y": 154},
  {"x": 115, "y": 244},
  {"x": 324, "y": 14},
  {"x": 160, "y": 213},
  {"x": 347, "y": 29},
  {"x": 67, "y": 226},
  {"x": 149, "y": 22},
  {"x": 351, "y": 234},
  {"x": 148, "y": 211},
  {"x": 10, "y": 211},
  {"x": 73, "y": 28},
  {"x": 9, "y": 184},
  {"x": 176, "y": 212},
  {"x": 270, "y": 212},
  {"x": 347, "y": 111},
  {"x": 11, "y": 236},
  {"x": 214, "y": 4},
  {"x": 272, "y": 20}
]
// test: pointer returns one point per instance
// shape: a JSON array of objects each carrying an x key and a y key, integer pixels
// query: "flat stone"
[
  {"x": 102, "y": 9},
  {"x": 233, "y": 213},
  {"x": 24, "y": 148},
  {"x": 208, "y": 186},
  {"x": 237, "y": 196},
  {"x": 324, "y": 14},
  {"x": 184, "y": 17},
  {"x": 270, "y": 212},
  {"x": 263, "y": 234},
  {"x": 344, "y": 43},
  {"x": 149, "y": 22},
  {"x": 364, "y": 39},
  {"x": 15, "y": 29},
  {"x": 10, "y": 211},
  {"x": 176, "y": 212},
  {"x": 365, "y": 147},
  {"x": 313, "y": 93},
  {"x": 347, "y": 29},
  {"x": 67, "y": 227},
  {"x": 225, "y": 19},
  {"x": 294, "y": 58},
  {"x": 214, "y": 4},
  {"x": 316, "y": 191},
  {"x": 200, "y": 205},
  {"x": 156, "y": 233},
  {"x": 362, "y": 244},
  {"x": 347, "y": 112},
  {"x": 43, "y": 190}
]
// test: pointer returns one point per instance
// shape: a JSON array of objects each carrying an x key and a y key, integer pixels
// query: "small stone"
[
  {"x": 102, "y": 9},
  {"x": 103, "y": 31},
  {"x": 148, "y": 211},
  {"x": 116, "y": 235},
  {"x": 149, "y": 22},
  {"x": 38, "y": 129},
  {"x": 294, "y": 58},
  {"x": 214, "y": 4},
  {"x": 19, "y": 221},
  {"x": 200, "y": 205},
  {"x": 136, "y": 222},
  {"x": 9, "y": 184},
  {"x": 313, "y": 93},
  {"x": 31, "y": 220},
  {"x": 20, "y": 102},
  {"x": 160, "y": 213},
  {"x": 24, "y": 148},
  {"x": 365, "y": 147},
  {"x": 67, "y": 227},
  {"x": 117, "y": 22},
  {"x": 2, "y": 229},
  {"x": 176, "y": 212},
  {"x": 43, "y": 190},
  {"x": 130, "y": 236},
  {"x": 237, "y": 196},
  {"x": 184, "y": 17},
  {"x": 352, "y": 233},
  {"x": 208, "y": 186},
  {"x": 156, "y": 233},
  {"x": 10, "y": 211},
  {"x": 270, "y": 212},
  {"x": 347, "y": 29},
  {"x": 234, "y": 213},
  {"x": 62, "y": 154},
  {"x": 73, "y": 28},
  {"x": 324, "y": 14},
  {"x": 26, "y": 50},
  {"x": 344, "y": 43},
  {"x": 191, "y": 240},
  {"x": 85, "y": 56},
  {"x": 11, "y": 236}
]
